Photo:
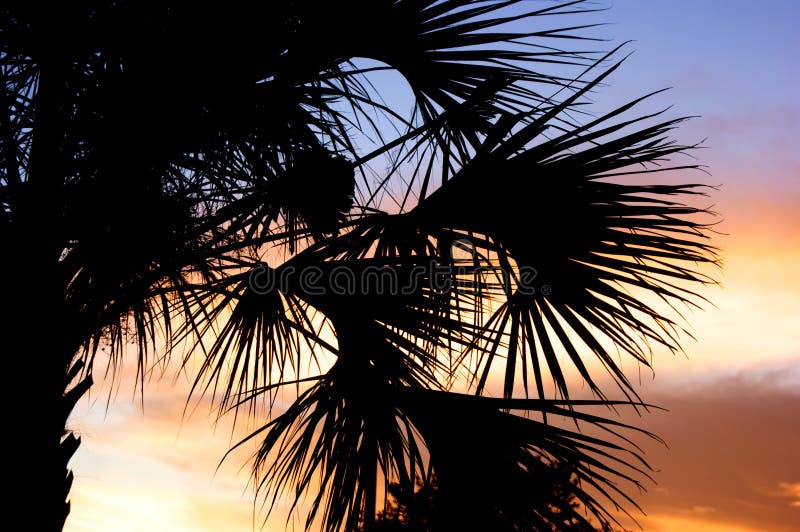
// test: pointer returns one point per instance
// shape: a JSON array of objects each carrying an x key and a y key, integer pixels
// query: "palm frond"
[
  {"x": 335, "y": 442},
  {"x": 351, "y": 428},
  {"x": 489, "y": 459},
  {"x": 594, "y": 242}
]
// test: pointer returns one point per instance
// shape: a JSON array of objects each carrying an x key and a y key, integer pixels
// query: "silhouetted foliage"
[
  {"x": 408, "y": 511},
  {"x": 550, "y": 504},
  {"x": 162, "y": 162}
]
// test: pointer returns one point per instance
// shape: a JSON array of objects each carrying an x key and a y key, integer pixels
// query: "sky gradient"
[{"x": 733, "y": 429}]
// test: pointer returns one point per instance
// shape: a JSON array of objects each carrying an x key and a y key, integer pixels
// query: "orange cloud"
[
  {"x": 792, "y": 491},
  {"x": 732, "y": 457}
]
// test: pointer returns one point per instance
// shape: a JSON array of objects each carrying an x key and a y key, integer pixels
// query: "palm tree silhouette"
[{"x": 154, "y": 154}]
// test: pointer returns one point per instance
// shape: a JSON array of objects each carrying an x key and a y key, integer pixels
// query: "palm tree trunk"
[
  {"x": 42, "y": 446},
  {"x": 40, "y": 337},
  {"x": 45, "y": 384}
]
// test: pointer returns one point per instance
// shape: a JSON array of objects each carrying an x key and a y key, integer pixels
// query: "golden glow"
[
  {"x": 155, "y": 469},
  {"x": 668, "y": 523}
]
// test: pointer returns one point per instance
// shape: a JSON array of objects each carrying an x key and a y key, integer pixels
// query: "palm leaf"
[{"x": 595, "y": 242}]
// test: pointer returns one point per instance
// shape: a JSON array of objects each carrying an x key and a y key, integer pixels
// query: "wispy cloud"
[{"x": 791, "y": 491}]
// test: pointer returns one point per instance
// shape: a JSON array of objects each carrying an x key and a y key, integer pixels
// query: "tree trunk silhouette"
[
  {"x": 39, "y": 472},
  {"x": 39, "y": 317}
]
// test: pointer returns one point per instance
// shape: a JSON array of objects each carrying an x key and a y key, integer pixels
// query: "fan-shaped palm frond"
[
  {"x": 491, "y": 460},
  {"x": 351, "y": 428},
  {"x": 593, "y": 245},
  {"x": 334, "y": 442}
]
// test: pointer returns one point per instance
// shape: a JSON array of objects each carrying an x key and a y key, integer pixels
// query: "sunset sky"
[{"x": 733, "y": 425}]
